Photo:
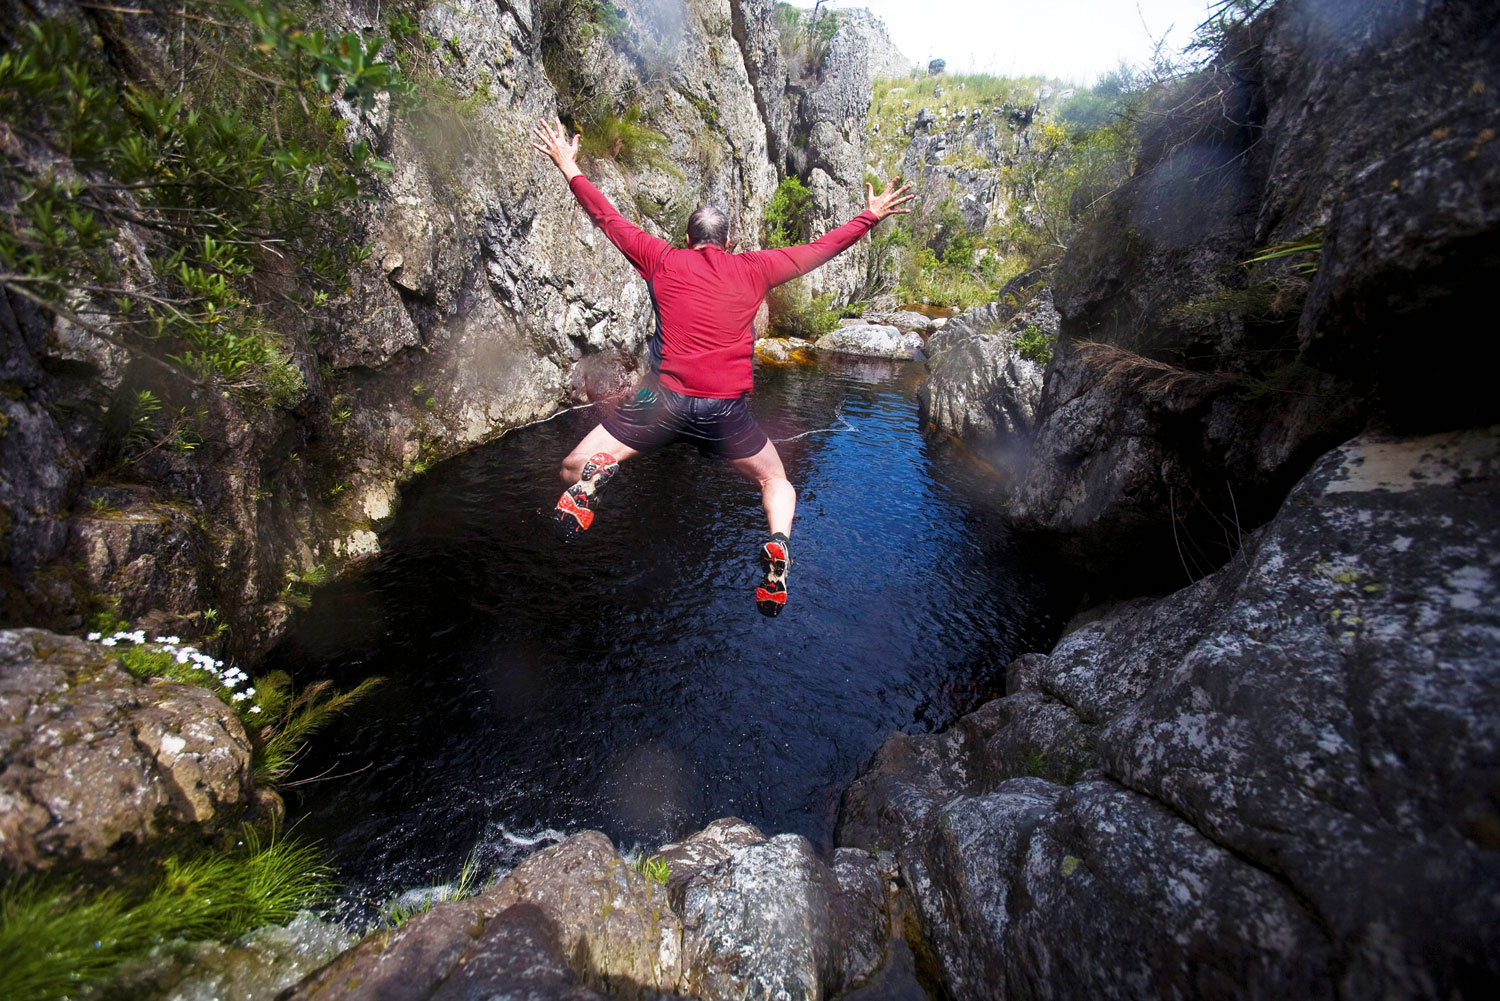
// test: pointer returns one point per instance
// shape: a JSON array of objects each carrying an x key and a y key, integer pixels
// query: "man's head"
[{"x": 707, "y": 225}]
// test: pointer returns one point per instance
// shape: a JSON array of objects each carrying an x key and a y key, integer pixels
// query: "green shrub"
[
  {"x": 794, "y": 316},
  {"x": 1035, "y": 345},
  {"x": 787, "y": 217},
  {"x": 242, "y": 164},
  {"x": 804, "y": 37}
]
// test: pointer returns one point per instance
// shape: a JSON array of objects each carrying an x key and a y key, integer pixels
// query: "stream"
[{"x": 626, "y": 682}]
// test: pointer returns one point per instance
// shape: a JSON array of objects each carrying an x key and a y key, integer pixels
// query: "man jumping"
[{"x": 705, "y": 299}]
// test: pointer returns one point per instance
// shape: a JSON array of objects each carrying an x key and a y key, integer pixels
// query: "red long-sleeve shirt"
[{"x": 706, "y": 299}]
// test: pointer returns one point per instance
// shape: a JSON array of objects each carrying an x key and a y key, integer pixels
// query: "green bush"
[
  {"x": 1034, "y": 345},
  {"x": 787, "y": 218},
  {"x": 240, "y": 164},
  {"x": 793, "y": 316},
  {"x": 804, "y": 37}
]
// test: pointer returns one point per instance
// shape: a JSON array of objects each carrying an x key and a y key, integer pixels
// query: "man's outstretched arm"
[
  {"x": 785, "y": 263},
  {"x": 639, "y": 247}
]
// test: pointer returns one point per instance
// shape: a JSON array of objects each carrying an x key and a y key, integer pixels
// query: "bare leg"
[
  {"x": 597, "y": 440},
  {"x": 777, "y": 495},
  {"x": 587, "y": 468}
]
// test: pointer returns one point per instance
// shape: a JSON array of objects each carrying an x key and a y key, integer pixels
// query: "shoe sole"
[
  {"x": 574, "y": 513},
  {"x": 770, "y": 596}
]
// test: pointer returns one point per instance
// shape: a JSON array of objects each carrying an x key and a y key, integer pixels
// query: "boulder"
[
  {"x": 980, "y": 387},
  {"x": 782, "y": 350},
  {"x": 615, "y": 927},
  {"x": 94, "y": 759},
  {"x": 907, "y": 321},
  {"x": 759, "y": 917},
  {"x": 573, "y": 920},
  {"x": 772, "y": 920},
  {"x": 704, "y": 850},
  {"x": 872, "y": 341},
  {"x": 1279, "y": 780}
]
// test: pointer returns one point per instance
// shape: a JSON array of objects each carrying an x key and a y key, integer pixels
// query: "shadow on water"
[{"x": 627, "y": 682}]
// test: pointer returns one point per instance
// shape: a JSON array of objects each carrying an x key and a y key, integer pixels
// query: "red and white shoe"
[
  {"x": 776, "y": 556},
  {"x": 575, "y": 508}
]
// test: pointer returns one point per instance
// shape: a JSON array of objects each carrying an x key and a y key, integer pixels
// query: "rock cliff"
[
  {"x": 1191, "y": 389},
  {"x": 1278, "y": 782}
]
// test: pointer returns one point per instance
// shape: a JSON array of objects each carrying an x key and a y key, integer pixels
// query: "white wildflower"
[
  {"x": 181, "y": 658},
  {"x": 108, "y": 641},
  {"x": 255, "y": 709},
  {"x": 249, "y": 693},
  {"x": 95, "y": 637}
]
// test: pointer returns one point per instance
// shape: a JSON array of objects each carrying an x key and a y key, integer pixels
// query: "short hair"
[{"x": 708, "y": 224}]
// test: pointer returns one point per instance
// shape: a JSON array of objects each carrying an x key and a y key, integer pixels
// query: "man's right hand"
[
  {"x": 888, "y": 202},
  {"x": 553, "y": 140}
]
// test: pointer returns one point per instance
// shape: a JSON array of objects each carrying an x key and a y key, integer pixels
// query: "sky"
[{"x": 1074, "y": 40}]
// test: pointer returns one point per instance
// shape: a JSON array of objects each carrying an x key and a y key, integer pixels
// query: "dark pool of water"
[{"x": 627, "y": 682}]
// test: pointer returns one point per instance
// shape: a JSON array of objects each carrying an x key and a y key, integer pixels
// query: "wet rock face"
[
  {"x": 1280, "y": 779},
  {"x": 94, "y": 760},
  {"x": 740, "y": 916},
  {"x": 1188, "y": 387},
  {"x": 980, "y": 387},
  {"x": 815, "y": 124}
]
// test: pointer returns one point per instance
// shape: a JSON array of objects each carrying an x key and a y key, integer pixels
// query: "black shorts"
[{"x": 654, "y": 416}]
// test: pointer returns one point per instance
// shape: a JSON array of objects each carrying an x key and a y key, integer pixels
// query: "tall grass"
[
  {"x": 624, "y": 138},
  {"x": 57, "y": 938},
  {"x": 292, "y": 717}
]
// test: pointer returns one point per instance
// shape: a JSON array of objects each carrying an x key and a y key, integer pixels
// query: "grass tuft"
[
  {"x": 291, "y": 718},
  {"x": 58, "y": 938}
]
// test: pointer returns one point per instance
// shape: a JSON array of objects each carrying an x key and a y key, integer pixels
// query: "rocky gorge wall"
[
  {"x": 1277, "y": 781},
  {"x": 1190, "y": 389},
  {"x": 487, "y": 300}
]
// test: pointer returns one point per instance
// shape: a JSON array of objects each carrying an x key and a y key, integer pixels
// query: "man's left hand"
[
  {"x": 888, "y": 202},
  {"x": 553, "y": 140}
]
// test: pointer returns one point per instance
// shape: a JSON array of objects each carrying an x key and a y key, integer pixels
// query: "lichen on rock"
[{"x": 1305, "y": 738}]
